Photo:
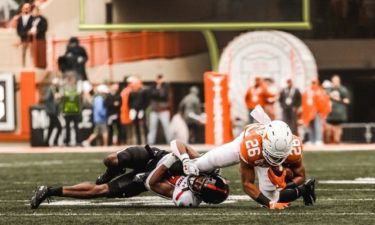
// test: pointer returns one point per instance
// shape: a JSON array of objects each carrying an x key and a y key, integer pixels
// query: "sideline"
[{"x": 25, "y": 148}]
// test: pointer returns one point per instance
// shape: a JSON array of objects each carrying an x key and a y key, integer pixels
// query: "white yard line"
[
  {"x": 359, "y": 180},
  {"x": 155, "y": 200},
  {"x": 275, "y": 213}
]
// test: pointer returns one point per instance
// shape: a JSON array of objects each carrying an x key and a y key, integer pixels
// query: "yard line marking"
[
  {"x": 345, "y": 189},
  {"x": 192, "y": 214},
  {"x": 46, "y": 163},
  {"x": 360, "y": 180},
  {"x": 156, "y": 201}
]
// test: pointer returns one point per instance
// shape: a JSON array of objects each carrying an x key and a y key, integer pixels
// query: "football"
[{"x": 278, "y": 171}]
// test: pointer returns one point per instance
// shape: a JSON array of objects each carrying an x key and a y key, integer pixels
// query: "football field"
[{"x": 345, "y": 192}]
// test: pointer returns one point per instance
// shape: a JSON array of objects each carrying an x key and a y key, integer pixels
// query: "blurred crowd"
[
  {"x": 126, "y": 112},
  {"x": 315, "y": 113}
]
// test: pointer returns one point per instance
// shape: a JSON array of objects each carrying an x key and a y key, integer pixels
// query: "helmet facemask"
[{"x": 212, "y": 190}]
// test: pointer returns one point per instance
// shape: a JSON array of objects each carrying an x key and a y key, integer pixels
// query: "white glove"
[{"x": 189, "y": 168}]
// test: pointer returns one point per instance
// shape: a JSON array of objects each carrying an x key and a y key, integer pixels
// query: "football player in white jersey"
[
  {"x": 268, "y": 149},
  {"x": 186, "y": 191}
]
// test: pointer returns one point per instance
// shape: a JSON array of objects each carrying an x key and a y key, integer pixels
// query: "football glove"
[
  {"x": 189, "y": 168},
  {"x": 278, "y": 205},
  {"x": 278, "y": 181}
]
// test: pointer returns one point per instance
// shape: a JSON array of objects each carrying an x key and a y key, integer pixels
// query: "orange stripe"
[{"x": 179, "y": 195}]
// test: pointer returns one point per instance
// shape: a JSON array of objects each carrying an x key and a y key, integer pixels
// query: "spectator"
[
  {"x": 290, "y": 102},
  {"x": 6, "y": 7},
  {"x": 75, "y": 59},
  {"x": 51, "y": 99},
  {"x": 159, "y": 109},
  {"x": 137, "y": 107},
  {"x": 71, "y": 106},
  {"x": 100, "y": 116},
  {"x": 38, "y": 32},
  {"x": 124, "y": 111},
  {"x": 113, "y": 104},
  {"x": 257, "y": 94},
  {"x": 269, "y": 105},
  {"x": 191, "y": 105},
  {"x": 24, "y": 25},
  {"x": 315, "y": 108},
  {"x": 178, "y": 128},
  {"x": 340, "y": 99}
]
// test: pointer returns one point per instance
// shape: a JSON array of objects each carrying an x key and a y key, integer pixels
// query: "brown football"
[{"x": 277, "y": 170}]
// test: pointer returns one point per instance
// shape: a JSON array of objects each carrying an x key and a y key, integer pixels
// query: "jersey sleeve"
[{"x": 297, "y": 149}]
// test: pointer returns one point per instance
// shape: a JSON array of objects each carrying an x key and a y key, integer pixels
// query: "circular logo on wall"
[{"x": 269, "y": 54}]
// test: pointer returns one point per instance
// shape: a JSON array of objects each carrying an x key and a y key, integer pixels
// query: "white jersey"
[{"x": 183, "y": 196}]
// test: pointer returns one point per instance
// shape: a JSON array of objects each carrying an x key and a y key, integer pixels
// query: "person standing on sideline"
[
  {"x": 24, "y": 24},
  {"x": 340, "y": 99},
  {"x": 315, "y": 108},
  {"x": 38, "y": 32},
  {"x": 75, "y": 59},
  {"x": 159, "y": 96},
  {"x": 290, "y": 102},
  {"x": 191, "y": 105},
  {"x": 100, "y": 116},
  {"x": 51, "y": 99},
  {"x": 71, "y": 106},
  {"x": 113, "y": 104},
  {"x": 257, "y": 94}
]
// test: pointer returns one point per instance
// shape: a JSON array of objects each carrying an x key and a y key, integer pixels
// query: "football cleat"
[
  {"x": 309, "y": 196},
  {"x": 41, "y": 194}
]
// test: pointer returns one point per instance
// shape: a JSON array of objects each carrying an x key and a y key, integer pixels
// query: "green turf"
[{"x": 20, "y": 174}]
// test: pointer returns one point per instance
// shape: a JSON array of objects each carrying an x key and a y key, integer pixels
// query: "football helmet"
[
  {"x": 211, "y": 189},
  {"x": 277, "y": 142}
]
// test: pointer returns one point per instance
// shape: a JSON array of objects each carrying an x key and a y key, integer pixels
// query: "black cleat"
[
  {"x": 108, "y": 175},
  {"x": 41, "y": 194},
  {"x": 309, "y": 196}
]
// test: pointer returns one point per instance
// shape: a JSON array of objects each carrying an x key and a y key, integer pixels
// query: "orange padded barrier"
[
  {"x": 27, "y": 87},
  {"x": 218, "y": 125}
]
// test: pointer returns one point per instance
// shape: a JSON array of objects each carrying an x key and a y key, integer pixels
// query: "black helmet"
[{"x": 211, "y": 189}]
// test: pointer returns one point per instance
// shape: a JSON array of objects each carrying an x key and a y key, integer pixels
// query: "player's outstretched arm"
[
  {"x": 248, "y": 179},
  {"x": 155, "y": 180},
  {"x": 178, "y": 148}
]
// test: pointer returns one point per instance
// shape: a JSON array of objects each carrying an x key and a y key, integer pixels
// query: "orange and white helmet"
[{"x": 277, "y": 142}]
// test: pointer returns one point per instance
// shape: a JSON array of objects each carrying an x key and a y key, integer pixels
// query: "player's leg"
[
  {"x": 67, "y": 128},
  {"x": 80, "y": 191},
  {"x": 135, "y": 158},
  {"x": 306, "y": 190},
  {"x": 127, "y": 185}
]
